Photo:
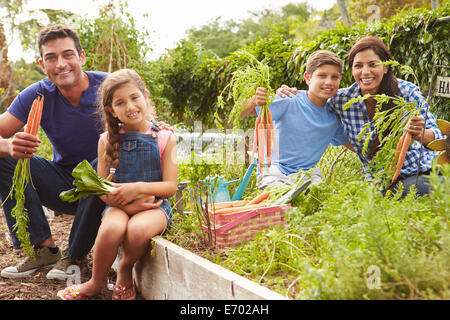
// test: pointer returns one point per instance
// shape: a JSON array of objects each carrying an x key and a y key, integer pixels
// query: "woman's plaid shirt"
[{"x": 356, "y": 116}]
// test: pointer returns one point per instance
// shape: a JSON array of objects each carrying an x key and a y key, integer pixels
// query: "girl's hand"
[
  {"x": 415, "y": 127},
  {"x": 142, "y": 204},
  {"x": 284, "y": 91},
  {"x": 124, "y": 193}
]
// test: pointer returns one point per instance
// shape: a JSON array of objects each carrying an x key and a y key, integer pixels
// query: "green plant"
[
  {"x": 87, "y": 182},
  {"x": 244, "y": 82},
  {"x": 389, "y": 126},
  {"x": 196, "y": 79}
]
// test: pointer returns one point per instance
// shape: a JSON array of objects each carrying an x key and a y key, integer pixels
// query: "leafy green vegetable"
[
  {"x": 287, "y": 193},
  {"x": 87, "y": 182},
  {"x": 244, "y": 83},
  {"x": 21, "y": 178},
  {"x": 392, "y": 121}
]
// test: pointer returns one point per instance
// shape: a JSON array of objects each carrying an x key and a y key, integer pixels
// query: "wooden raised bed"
[{"x": 174, "y": 273}]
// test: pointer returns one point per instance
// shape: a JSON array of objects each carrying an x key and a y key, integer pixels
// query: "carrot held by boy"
[{"x": 287, "y": 121}]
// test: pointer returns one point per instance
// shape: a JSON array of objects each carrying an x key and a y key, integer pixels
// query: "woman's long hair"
[
  {"x": 389, "y": 83},
  {"x": 111, "y": 83}
]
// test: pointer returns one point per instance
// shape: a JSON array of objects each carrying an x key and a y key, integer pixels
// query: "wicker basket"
[{"x": 233, "y": 229}]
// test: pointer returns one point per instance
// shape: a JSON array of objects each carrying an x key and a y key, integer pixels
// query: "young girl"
[{"x": 142, "y": 161}]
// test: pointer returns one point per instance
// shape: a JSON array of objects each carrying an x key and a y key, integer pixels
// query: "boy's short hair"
[
  {"x": 320, "y": 58},
  {"x": 57, "y": 32}
]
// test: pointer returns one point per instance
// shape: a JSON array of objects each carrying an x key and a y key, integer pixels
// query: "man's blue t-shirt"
[
  {"x": 72, "y": 131},
  {"x": 303, "y": 132}
]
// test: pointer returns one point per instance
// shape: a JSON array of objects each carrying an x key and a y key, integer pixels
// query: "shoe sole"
[
  {"x": 57, "y": 275},
  {"x": 19, "y": 275}
]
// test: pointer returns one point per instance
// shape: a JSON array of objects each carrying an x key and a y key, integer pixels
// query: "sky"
[{"x": 169, "y": 19}]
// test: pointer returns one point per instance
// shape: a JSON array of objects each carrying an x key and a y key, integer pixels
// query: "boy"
[{"x": 304, "y": 125}]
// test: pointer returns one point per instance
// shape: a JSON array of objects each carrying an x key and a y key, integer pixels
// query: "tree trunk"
[
  {"x": 344, "y": 12},
  {"x": 6, "y": 76},
  {"x": 434, "y": 4}
]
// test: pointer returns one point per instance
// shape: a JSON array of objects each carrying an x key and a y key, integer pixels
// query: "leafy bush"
[
  {"x": 415, "y": 38},
  {"x": 331, "y": 252}
]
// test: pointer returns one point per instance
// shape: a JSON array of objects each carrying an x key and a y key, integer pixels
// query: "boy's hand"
[
  {"x": 258, "y": 99},
  {"x": 24, "y": 145},
  {"x": 260, "y": 96},
  {"x": 284, "y": 91}
]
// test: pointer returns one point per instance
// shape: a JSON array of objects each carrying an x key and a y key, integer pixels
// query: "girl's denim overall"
[{"x": 140, "y": 161}]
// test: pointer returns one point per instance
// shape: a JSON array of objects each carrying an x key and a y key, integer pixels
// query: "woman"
[{"x": 373, "y": 78}]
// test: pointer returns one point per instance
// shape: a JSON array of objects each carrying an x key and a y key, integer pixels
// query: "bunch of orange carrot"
[
  {"x": 20, "y": 180},
  {"x": 35, "y": 115},
  {"x": 263, "y": 137},
  {"x": 400, "y": 153},
  {"x": 257, "y": 202}
]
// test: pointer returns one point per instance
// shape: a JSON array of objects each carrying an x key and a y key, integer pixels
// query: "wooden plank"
[{"x": 174, "y": 273}]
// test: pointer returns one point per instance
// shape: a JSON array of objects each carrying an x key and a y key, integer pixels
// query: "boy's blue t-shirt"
[
  {"x": 303, "y": 132},
  {"x": 72, "y": 131}
]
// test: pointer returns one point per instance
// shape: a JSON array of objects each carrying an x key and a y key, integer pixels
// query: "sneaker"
[
  {"x": 28, "y": 266},
  {"x": 66, "y": 267}
]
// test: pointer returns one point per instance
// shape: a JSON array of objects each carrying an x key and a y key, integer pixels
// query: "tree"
[
  {"x": 112, "y": 39},
  {"x": 363, "y": 10},
  {"x": 434, "y": 4},
  {"x": 24, "y": 29},
  {"x": 292, "y": 21},
  {"x": 6, "y": 83},
  {"x": 344, "y": 12}
]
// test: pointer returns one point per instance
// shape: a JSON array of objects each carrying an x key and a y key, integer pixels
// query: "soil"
[{"x": 37, "y": 286}]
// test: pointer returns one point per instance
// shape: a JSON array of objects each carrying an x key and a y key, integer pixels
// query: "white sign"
[{"x": 442, "y": 87}]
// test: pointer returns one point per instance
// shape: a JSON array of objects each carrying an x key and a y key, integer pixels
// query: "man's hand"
[
  {"x": 164, "y": 126},
  {"x": 23, "y": 145},
  {"x": 284, "y": 91}
]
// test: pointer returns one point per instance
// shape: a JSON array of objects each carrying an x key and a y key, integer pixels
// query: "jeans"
[
  {"x": 140, "y": 161},
  {"x": 48, "y": 181},
  {"x": 423, "y": 184}
]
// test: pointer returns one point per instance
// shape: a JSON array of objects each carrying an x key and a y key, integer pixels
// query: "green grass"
[{"x": 345, "y": 241}]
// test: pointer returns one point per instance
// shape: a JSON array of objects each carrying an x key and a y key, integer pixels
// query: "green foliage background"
[{"x": 193, "y": 78}]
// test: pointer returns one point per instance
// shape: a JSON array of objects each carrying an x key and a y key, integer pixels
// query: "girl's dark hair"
[
  {"x": 389, "y": 83},
  {"x": 106, "y": 92}
]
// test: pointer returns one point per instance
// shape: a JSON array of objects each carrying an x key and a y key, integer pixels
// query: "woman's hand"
[
  {"x": 415, "y": 127},
  {"x": 284, "y": 91}
]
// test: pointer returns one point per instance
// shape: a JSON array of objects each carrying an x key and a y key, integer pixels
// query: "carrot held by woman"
[{"x": 401, "y": 158}]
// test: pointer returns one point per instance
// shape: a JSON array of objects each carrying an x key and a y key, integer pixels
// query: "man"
[{"x": 70, "y": 121}]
